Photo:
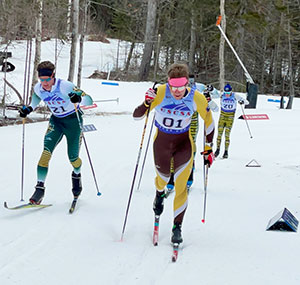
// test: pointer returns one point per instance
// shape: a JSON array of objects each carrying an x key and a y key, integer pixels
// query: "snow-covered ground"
[{"x": 50, "y": 246}]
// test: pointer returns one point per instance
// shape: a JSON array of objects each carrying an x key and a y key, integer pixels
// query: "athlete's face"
[
  {"x": 178, "y": 86},
  {"x": 47, "y": 82},
  {"x": 178, "y": 92},
  {"x": 227, "y": 94}
]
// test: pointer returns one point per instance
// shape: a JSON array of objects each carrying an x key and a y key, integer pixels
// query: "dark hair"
[
  {"x": 177, "y": 70},
  {"x": 46, "y": 65}
]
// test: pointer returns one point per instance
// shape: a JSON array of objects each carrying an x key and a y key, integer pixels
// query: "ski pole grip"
[
  {"x": 154, "y": 86},
  {"x": 219, "y": 21}
]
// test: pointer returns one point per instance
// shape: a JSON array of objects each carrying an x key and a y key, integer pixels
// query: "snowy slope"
[{"x": 50, "y": 246}]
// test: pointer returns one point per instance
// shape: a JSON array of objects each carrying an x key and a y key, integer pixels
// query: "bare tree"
[
  {"x": 82, "y": 35},
  {"x": 150, "y": 28},
  {"x": 291, "y": 87},
  {"x": 74, "y": 38},
  {"x": 69, "y": 15},
  {"x": 38, "y": 43},
  {"x": 192, "y": 44},
  {"x": 222, "y": 46}
]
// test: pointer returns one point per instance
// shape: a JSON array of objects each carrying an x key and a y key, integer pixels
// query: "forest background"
[{"x": 265, "y": 34}]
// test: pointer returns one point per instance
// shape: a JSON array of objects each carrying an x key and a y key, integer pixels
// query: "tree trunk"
[
  {"x": 38, "y": 44},
  {"x": 263, "y": 60},
  {"x": 81, "y": 43},
  {"x": 74, "y": 39},
  {"x": 192, "y": 44},
  {"x": 276, "y": 56},
  {"x": 156, "y": 59},
  {"x": 69, "y": 16},
  {"x": 291, "y": 87},
  {"x": 281, "y": 94},
  {"x": 129, "y": 56},
  {"x": 222, "y": 46},
  {"x": 150, "y": 28}
]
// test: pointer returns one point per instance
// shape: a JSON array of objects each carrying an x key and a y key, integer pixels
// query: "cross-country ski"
[
  {"x": 156, "y": 230},
  {"x": 27, "y": 206},
  {"x": 175, "y": 252},
  {"x": 73, "y": 205}
]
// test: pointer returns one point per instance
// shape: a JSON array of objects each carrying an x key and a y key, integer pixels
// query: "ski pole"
[
  {"x": 205, "y": 192},
  {"x": 25, "y": 97},
  {"x": 135, "y": 171},
  {"x": 108, "y": 100},
  {"x": 23, "y": 159},
  {"x": 246, "y": 121},
  {"x": 205, "y": 177},
  {"x": 146, "y": 151},
  {"x": 87, "y": 150}
]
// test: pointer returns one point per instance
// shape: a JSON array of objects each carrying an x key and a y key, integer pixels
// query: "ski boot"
[
  {"x": 176, "y": 233},
  {"x": 38, "y": 194},
  {"x": 158, "y": 204},
  {"x": 217, "y": 152},
  {"x": 225, "y": 155},
  {"x": 76, "y": 183}
]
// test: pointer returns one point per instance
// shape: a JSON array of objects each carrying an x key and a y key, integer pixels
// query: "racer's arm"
[{"x": 141, "y": 110}]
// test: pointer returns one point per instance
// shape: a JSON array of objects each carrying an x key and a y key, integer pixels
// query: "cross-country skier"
[
  {"x": 62, "y": 97},
  {"x": 229, "y": 101},
  {"x": 175, "y": 103}
]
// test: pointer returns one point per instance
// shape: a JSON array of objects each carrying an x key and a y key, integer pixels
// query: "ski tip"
[
  {"x": 5, "y": 204},
  {"x": 203, "y": 221}
]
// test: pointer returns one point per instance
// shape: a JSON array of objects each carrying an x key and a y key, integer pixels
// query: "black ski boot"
[
  {"x": 38, "y": 194},
  {"x": 217, "y": 152},
  {"x": 176, "y": 233},
  {"x": 225, "y": 155},
  {"x": 158, "y": 204},
  {"x": 76, "y": 183}
]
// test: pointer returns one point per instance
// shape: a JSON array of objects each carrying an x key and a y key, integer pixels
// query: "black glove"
[
  {"x": 207, "y": 96},
  {"x": 74, "y": 97},
  {"x": 241, "y": 101},
  {"x": 209, "y": 88},
  {"x": 24, "y": 111}
]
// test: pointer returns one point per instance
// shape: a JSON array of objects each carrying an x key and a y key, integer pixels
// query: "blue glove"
[
  {"x": 74, "y": 97},
  {"x": 24, "y": 111}
]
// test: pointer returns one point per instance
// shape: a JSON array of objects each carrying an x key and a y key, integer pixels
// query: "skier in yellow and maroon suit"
[{"x": 175, "y": 103}]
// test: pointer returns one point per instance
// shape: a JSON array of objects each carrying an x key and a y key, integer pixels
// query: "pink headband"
[{"x": 178, "y": 82}]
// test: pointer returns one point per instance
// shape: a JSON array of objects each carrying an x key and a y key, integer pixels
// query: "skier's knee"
[{"x": 45, "y": 158}]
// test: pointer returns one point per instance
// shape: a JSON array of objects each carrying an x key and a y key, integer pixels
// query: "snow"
[{"x": 50, "y": 246}]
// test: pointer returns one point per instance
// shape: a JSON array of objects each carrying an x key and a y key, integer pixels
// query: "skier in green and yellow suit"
[
  {"x": 62, "y": 98},
  {"x": 228, "y": 108}
]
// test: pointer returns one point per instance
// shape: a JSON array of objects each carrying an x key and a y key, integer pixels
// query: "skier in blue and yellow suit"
[{"x": 175, "y": 103}]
